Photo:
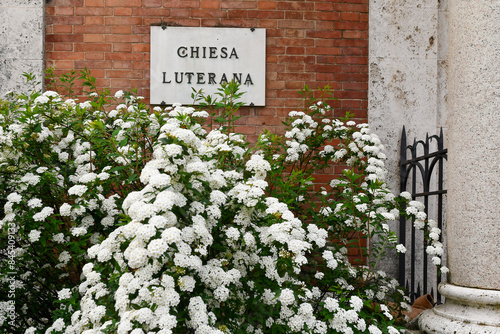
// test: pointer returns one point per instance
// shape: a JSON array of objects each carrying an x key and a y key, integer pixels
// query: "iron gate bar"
[{"x": 411, "y": 167}]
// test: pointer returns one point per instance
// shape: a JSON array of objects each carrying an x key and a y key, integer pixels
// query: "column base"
[{"x": 466, "y": 311}]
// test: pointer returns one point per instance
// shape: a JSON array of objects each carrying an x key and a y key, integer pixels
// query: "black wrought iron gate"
[{"x": 423, "y": 170}]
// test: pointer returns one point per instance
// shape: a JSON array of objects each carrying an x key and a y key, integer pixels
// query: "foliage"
[{"x": 178, "y": 230}]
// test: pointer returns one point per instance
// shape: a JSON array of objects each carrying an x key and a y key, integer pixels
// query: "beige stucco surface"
[
  {"x": 474, "y": 144},
  {"x": 21, "y": 42}
]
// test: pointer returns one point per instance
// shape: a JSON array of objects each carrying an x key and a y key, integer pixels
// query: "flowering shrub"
[{"x": 178, "y": 230}]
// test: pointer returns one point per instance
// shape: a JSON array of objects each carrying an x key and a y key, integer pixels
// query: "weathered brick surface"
[{"x": 308, "y": 42}]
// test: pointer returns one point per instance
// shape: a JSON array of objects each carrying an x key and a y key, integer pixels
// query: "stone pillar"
[
  {"x": 407, "y": 80},
  {"x": 473, "y": 214},
  {"x": 22, "y": 35}
]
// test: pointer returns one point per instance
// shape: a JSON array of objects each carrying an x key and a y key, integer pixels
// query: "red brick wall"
[{"x": 308, "y": 42}]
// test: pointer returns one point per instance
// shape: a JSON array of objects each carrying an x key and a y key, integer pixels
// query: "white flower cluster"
[
  {"x": 201, "y": 244},
  {"x": 163, "y": 255}
]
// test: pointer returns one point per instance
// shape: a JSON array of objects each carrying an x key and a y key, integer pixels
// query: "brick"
[
  {"x": 290, "y": 68},
  {"x": 330, "y": 68},
  {"x": 64, "y": 55},
  {"x": 295, "y": 50},
  {"x": 122, "y": 38},
  {"x": 59, "y": 10},
  {"x": 93, "y": 38},
  {"x": 351, "y": 25},
  {"x": 210, "y": 23},
  {"x": 352, "y": 60},
  {"x": 64, "y": 20},
  {"x": 296, "y": 76},
  {"x": 294, "y": 15},
  {"x": 246, "y": 130},
  {"x": 342, "y": 94},
  {"x": 122, "y": 64},
  {"x": 324, "y": 34},
  {"x": 264, "y": 120},
  {"x": 325, "y": 77},
  {"x": 120, "y": 3},
  {"x": 296, "y": 59},
  {"x": 122, "y": 47},
  {"x": 96, "y": 11},
  {"x": 293, "y": 33},
  {"x": 324, "y": 25},
  {"x": 354, "y": 51},
  {"x": 267, "y": 5},
  {"x": 237, "y": 14},
  {"x": 93, "y": 64},
  {"x": 63, "y": 47},
  {"x": 122, "y": 11},
  {"x": 240, "y": 4},
  {"x": 136, "y": 74},
  {"x": 183, "y": 3},
  {"x": 210, "y": 4},
  {"x": 157, "y": 12},
  {"x": 296, "y": 24},
  {"x": 295, "y": 5},
  {"x": 93, "y": 47},
  {"x": 120, "y": 21},
  {"x": 140, "y": 65},
  {"x": 49, "y": 10},
  {"x": 324, "y": 43},
  {"x": 180, "y": 12},
  {"x": 134, "y": 83},
  {"x": 268, "y": 14},
  {"x": 204, "y": 13},
  {"x": 94, "y": 3},
  {"x": 349, "y": 16},
  {"x": 351, "y": 77},
  {"x": 94, "y": 20},
  {"x": 121, "y": 30},
  {"x": 94, "y": 55},
  {"x": 140, "y": 48},
  {"x": 275, "y": 85},
  {"x": 277, "y": 50},
  {"x": 74, "y": 38},
  {"x": 123, "y": 56},
  {"x": 62, "y": 29},
  {"x": 92, "y": 29},
  {"x": 323, "y": 6},
  {"x": 350, "y": 42},
  {"x": 347, "y": 7},
  {"x": 324, "y": 51},
  {"x": 295, "y": 41},
  {"x": 351, "y": 104},
  {"x": 102, "y": 83},
  {"x": 62, "y": 65},
  {"x": 71, "y": 3},
  {"x": 120, "y": 83},
  {"x": 151, "y": 3},
  {"x": 322, "y": 16}
]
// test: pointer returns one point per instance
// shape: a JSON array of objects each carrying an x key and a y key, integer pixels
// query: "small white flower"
[
  {"x": 34, "y": 235},
  {"x": 400, "y": 248},
  {"x": 64, "y": 294},
  {"x": 119, "y": 94}
]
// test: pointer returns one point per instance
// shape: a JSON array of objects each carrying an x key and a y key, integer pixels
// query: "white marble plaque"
[{"x": 183, "y": 58}]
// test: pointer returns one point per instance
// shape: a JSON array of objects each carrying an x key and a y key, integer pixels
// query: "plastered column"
[
  {"x": 473, "y": 230},
  {"x": 22, "y": 33}
]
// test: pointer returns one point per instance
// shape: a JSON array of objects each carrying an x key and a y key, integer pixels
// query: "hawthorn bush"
[{"x": 119, "y": 219}]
